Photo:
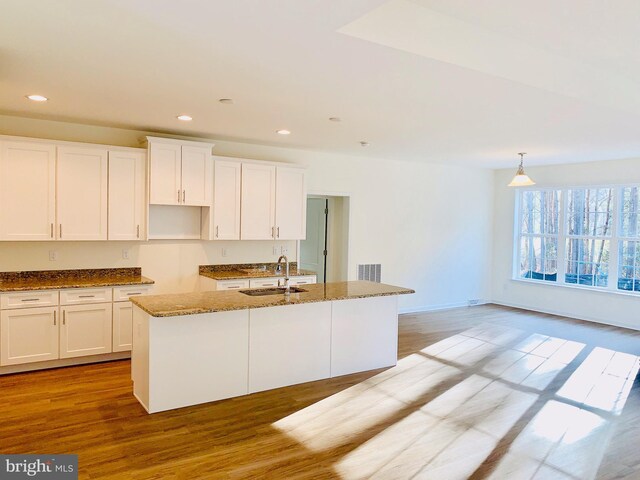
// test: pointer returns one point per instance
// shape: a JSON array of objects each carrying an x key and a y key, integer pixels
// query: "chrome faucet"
[{"x": 286, "y": 275}]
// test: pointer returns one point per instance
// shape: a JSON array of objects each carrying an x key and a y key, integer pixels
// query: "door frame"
[{"x": 348, "y": 198}]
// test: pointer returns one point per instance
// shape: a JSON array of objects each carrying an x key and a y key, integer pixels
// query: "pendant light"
[{"x": 521, "y": 179}]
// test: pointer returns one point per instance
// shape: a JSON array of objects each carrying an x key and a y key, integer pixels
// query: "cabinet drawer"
[
  {"x": 43, "y": 298},
  {"x": 232, "y": 284},
  {"x": 122, "y": 294},
  {"x": 265, "y": 282},
  {"x": 303, "y": 280},
  {"x": 85, "y": 295}
]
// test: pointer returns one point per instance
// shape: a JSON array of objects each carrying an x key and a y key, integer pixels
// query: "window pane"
[
  {"x": 630, "y": 221},
  {"x": 587, "y": 262},
  {"x": 590, "y": 211},
  {"x": 539, "y": 212},
  {"x": 539, "y": 258},
  {"x": 629, "y": 269}
]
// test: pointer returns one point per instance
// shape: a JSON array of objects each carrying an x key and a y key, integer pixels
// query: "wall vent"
[{"x": 369, "y": 271}]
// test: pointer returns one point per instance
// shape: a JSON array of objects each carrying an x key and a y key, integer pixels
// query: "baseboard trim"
[
  {"x": 434, "y": 308},
  {"x": 65, "y": 362},
  {"x": 565, "y": 314}
]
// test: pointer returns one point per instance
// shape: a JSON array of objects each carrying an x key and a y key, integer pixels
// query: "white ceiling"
[{"x": 462, "y": 81}]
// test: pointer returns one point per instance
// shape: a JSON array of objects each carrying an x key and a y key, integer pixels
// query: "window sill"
[{"x": 576, "y": 287}]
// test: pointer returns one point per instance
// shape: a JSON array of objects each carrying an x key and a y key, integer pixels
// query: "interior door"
[{"x": 313, "y": 248}]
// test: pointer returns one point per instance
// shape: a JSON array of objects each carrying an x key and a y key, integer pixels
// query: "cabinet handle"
[
  {"x": 137, "y": 231},
  {"x": 184, "y": 194},
  {"x": 273, "y": 232},
  {"x": 86, "y": 296},
  {"x": 60, "y": 230},
  {"x": 217, "y": 228},
  {"x": 54, "y": 317},
  {"x": 278, "y": 232},
  {"x": 52, "y": 230},
  {"x": 178, "y": 195},
  {"x": 233, "y": 286},
  {"x": 134, "y": 293},
  {"x": 64, "y": 317},
  {"x": 29, "y": 299}
]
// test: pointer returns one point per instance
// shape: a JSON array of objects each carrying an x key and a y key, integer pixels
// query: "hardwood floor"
[{"x": 483, "y": 392}]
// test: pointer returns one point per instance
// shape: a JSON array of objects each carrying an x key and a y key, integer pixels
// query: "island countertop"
[{"x": 171, "y": 305}]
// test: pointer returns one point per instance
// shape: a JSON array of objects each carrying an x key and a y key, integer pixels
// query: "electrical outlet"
[
  {"x": 125, "y": 254},
  {"x": 53, "y": 255},
  {"x": 224, "y": 252},
  {"x": 284, "y": 250}
]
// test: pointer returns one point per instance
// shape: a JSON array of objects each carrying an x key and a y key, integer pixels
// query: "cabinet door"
[
  {"x": 81, "y": 196},
  {"x": 197, "y": 175},
  {"x": 122, "y": 326},
  {"x": 291, "y": 204},
  {"x": 85, "y": 330},
  {"x": 258, "y": 201},
  {"x": 27, "y": 191},
  {"x": 126, "y": 196},
  {"x": 164, "y": 169},
  {"x": 226, "y": 200},
  {"x": 28, "y": 335}
]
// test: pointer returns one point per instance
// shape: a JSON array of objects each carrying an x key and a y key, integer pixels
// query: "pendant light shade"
[{"x": 521, "y": 179}]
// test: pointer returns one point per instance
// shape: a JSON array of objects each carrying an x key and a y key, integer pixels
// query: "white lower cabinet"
[
  {"x": 362, "y": 336},
  {"x": 85, "y": 330},
  {"x": 28, "y": 335},
  {"x": 33, "y": 328},
  {"x": 289, "y": 345},
  {"x": 122, "y": 326}
]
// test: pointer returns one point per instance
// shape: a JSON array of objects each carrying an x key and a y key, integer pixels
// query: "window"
[
  {"x": 629, "y": 246},
  {"x": 539, "y": 235},
  {"x": 589, "y": 217},
  {"x": 580, "y": 236}
]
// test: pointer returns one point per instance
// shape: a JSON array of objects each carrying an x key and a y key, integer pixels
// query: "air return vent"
[{"x": 369, "y": 271}]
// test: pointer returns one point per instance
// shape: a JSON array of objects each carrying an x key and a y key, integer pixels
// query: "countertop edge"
[
  {"x": 197, "y": 311},
  {"x": 143, "y": 281}
]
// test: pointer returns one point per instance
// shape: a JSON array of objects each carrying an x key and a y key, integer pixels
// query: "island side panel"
[
  {"x": 364, "y": 334},
  {"x": 140, "y": 356},
  {"x": 197, "y": 358},
  {"x": 289, "y": 345}
]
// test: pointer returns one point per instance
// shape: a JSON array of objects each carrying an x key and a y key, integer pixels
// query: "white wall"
[
  {"x": 429, "y": 225},
  {"x": 603, "y": 307}
]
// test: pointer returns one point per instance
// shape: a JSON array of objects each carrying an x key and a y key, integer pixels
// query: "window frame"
[{"x": 615, "y": 240}]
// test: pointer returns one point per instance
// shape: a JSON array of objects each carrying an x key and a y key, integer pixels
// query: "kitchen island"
[{"x": 200, "y": 347}]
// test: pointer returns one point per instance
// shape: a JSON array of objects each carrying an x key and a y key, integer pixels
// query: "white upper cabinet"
[
  {"x": 258, "y": 202},
  {"x": 181, "y": 173},
  {"x": 165, "y": 174},
  {"x": 27, "y": 191},
  {"x": 197, "y": 172},
  {"x": 81, "y": 196},
  {"x": 127, "y": 200},
  {"x": 291, "y": 203},
  {"x": 226, "y": 201}
]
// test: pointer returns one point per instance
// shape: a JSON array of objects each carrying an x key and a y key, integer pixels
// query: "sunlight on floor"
[{"x": 441, "y": 412}]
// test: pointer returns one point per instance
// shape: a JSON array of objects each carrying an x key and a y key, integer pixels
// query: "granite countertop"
[
  {"x": 223, "y": 300},
  {"x": 59, "y": 279},
  {"x": 250, "y": 270}
]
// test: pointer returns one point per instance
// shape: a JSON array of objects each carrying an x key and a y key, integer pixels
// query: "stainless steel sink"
[{"x": 259, "y": 292}]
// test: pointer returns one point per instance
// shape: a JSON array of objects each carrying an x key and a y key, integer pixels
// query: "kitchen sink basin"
[{"x": 260, "y": 292}]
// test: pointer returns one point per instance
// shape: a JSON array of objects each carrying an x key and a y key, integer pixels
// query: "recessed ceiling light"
[
  {"x": 227, "y": 101},
  {"x": 37, "y": 98},
  {"x": 184, "y": 118},
  {"x": 364, "y": 144},
  {"x": 334, "y": 119},
  {"x": 283, "y": 132}
]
